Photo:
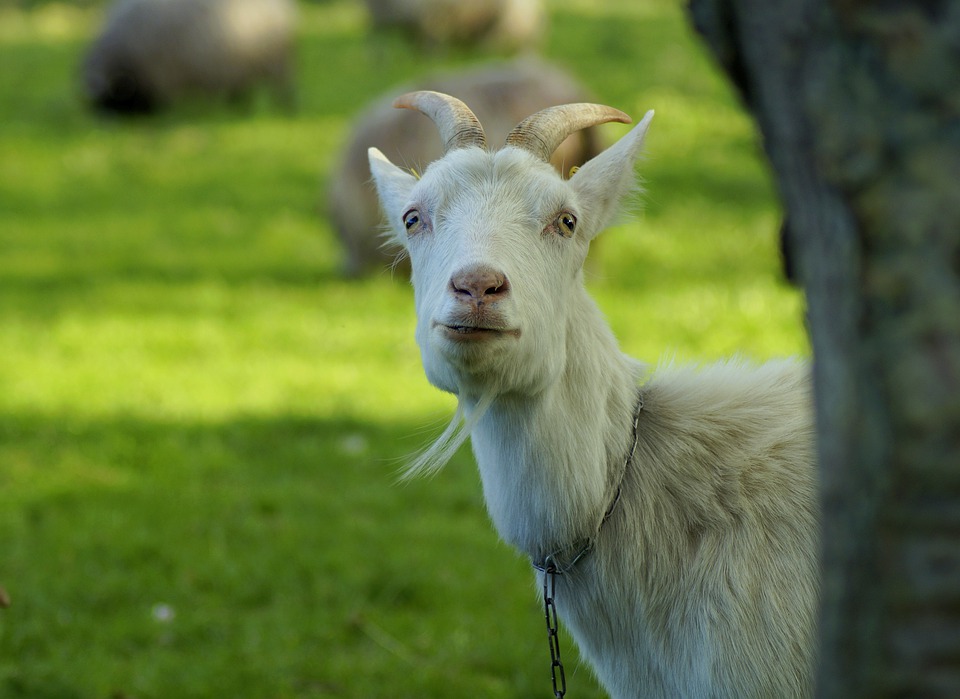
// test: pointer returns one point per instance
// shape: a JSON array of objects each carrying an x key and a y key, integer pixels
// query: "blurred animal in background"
[
  {"x": 501, "y": 95},
  {"x": 501, "y": 24},
  {"x": 154, "y": 53}
]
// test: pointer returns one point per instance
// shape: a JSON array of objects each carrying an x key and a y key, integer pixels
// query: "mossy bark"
[{"x": 859, "y": 106}]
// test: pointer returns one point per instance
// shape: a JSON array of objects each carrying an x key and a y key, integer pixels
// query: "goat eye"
[
  {"x": 566, "y": 224},
  {"x": 412, "y": 221}
]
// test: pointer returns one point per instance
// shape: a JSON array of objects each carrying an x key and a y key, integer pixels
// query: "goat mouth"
[{"x": 468, "y": 333}]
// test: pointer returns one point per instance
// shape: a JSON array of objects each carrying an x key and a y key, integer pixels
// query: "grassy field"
[{"x": 201, "y": 422}]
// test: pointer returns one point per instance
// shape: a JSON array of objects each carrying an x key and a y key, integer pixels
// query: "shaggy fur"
[
  {"x": 703, "y": 582},
  {"x": 716, "y": 596}
]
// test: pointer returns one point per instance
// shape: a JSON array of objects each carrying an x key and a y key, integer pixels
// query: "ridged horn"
[
  {"x": 459, "y": 127},
  {"x": 543, "y": 132}
]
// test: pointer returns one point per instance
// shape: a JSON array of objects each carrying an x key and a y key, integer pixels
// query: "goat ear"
[
  {"x": 393, "y": 186},
  {"x": 603, "y": 182}
]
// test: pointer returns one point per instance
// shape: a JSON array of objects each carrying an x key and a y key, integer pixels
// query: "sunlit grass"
[{"x": 201, "y": 422}]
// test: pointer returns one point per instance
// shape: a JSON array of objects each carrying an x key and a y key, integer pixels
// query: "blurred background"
[{"x": 208, "y": 378}]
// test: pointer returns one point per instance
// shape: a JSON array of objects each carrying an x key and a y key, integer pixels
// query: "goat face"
[
  {"x": 493, "y": 247},
  {"x": 496, "y": 242}
]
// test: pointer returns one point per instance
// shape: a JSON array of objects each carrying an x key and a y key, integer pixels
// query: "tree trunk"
[{"x": 859, "y": 106}]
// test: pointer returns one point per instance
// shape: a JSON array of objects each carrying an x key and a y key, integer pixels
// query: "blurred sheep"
[
  {"x": 152, "y": 53},
  {"x": 500, "y": 95},
  {"x": 503, "y": 24}
]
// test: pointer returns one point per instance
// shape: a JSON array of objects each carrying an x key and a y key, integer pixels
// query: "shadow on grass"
[{"x": 256, "y": 557}]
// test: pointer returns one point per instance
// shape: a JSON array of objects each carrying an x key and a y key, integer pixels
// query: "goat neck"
[{"x": 551, "y": 461}]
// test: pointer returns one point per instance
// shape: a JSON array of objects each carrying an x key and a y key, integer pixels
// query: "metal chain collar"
[
  {"x": 551, "y": 569},
  {"x": 553, "y": 628}
]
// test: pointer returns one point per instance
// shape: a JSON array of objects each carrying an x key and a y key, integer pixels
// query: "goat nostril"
[
  {"x": 499, "y": 286},
  {"x": 494, "y": 287}
]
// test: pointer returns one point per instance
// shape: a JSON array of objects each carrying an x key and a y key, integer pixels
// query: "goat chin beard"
[{"x": 436, "y": 455}]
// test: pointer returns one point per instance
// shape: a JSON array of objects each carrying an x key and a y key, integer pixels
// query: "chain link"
[{"x": 553, "y": 628}]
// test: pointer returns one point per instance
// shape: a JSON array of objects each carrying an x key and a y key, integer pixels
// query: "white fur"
[{"x": 703, "y": 582}]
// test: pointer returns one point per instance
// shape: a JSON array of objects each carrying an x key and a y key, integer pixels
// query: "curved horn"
[
  {"x": 459, "y": 127},
  {"x": 543, "y": 132}
]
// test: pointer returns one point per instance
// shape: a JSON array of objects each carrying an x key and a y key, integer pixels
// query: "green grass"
[{"x": 200, "y": 422}]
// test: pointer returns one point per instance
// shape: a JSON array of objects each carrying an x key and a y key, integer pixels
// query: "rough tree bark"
[{"x": 858, "y": 102}]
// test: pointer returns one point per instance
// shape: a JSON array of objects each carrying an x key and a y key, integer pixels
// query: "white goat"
[{"x": 677, "y": 517}]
